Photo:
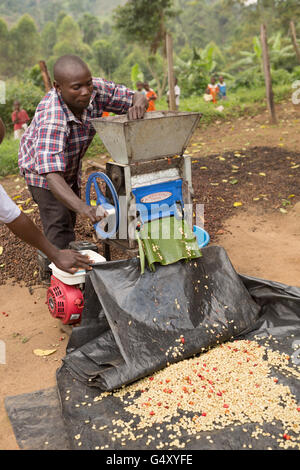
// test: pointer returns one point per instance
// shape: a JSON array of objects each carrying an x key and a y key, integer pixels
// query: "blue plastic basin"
[{"x": 201, "y": 235}]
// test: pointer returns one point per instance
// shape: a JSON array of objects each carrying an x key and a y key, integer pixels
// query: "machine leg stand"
[{"x": 107, "y": 252}]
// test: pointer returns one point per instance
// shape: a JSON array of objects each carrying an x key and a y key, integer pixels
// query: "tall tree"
[
  {"x": 48, "y": 38},
  {"x": 145, "y": 23},
  {"x": 3, "y": 48},
  {"x": 90, "y": 27},
  {"x": 24, "y": 45},
  {"x": 69, "y": 40}
]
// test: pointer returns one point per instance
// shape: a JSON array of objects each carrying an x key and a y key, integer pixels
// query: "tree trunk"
[
  {"x": 45, "y": 75},
  {"x": 169, "y": 44},
  {"x": 267, "y": 73},
  {"x": 294, "y": 40}
]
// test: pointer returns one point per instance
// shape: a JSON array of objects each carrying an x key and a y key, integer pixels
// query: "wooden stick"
[
  {"x": 267, "y": 72},
  {"x": 45, "y": 75},
  {"x": 294, "y": 40},
  {"x": 169, "y": 47}
]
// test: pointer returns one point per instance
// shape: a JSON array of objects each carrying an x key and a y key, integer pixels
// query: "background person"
[
  {"x": 213, "y": 90},
  {"x": 222, "y": 88},
  {"x": 20, "y": 119},
  {"x": 177, "y": 95},
  {"x": 151, "y": 97}
]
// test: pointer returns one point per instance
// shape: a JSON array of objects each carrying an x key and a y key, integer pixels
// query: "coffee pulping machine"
[{"x": 147, "y": 178}]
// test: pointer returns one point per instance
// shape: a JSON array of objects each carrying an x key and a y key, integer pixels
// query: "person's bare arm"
[
  {"x": 62, "y": 191},
  {"x": 139, "y": 106},
  {"x": 67, "y": 260}
]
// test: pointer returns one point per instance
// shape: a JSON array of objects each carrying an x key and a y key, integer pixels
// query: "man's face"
[
  {"x": 221, "y": 79},
  {"x": 76, "y": 89}
]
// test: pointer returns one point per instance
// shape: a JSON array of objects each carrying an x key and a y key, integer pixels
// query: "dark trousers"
[{"x": 57, "y": 220}]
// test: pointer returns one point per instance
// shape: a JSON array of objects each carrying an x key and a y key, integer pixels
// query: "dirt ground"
[{"x": 260, "y": 235}]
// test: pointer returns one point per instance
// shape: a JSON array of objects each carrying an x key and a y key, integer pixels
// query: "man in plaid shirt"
[{"x": 60, "y": 133}]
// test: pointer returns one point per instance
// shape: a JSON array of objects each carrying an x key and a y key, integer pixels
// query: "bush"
[
  {"x": 281, "y": 77},
  {"x": 9, "y": 156}
]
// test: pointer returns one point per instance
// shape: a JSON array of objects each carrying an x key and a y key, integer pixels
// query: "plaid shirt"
[{"x": 56, "y": 140}]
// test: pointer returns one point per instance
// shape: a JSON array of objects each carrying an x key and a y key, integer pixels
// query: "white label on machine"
[{"x": 156, "y": 197}]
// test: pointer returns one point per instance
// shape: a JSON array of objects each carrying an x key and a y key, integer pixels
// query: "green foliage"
[
  {"x": 194, "y": 74},
  {"x": 90, "y": 27},
  {"x": 9, "y": 156},
  {"x": 23, "y": 46},
  {"x": 69, "y": 40},
  {"x": 48, "y": 38},
  {"x": 105, "y": 56},
  {"x": 144, "y": 22},
  {"x": 136, "y": 75}
]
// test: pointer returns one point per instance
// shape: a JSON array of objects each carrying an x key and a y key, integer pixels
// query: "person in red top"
[
  {"x": 20, "y": 119},
  {"x": 151, "y": 97}
]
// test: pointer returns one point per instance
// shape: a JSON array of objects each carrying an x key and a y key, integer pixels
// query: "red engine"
[{"x": 65, "y": 302}]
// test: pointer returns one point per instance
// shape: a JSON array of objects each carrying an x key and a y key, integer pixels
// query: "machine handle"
[{"x": 102, "y": 201}]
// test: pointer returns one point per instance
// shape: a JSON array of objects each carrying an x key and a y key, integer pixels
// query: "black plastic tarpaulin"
[{"x": 101, "y": 350}]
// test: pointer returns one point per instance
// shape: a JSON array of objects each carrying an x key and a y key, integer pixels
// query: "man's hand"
[
  {"x": 67, "y": 260},
  {"x": 139, "y": 106},
  {"x": 70, "y": 261},
  {"x": 95, "y": 214}
]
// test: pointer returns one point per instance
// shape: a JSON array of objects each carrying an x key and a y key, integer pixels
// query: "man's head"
[
  {"x": 146, "y": 86},
  {"x": 221, "y": 79},
  {"x": 73, "y": 81},
  {"x": 139, "y": 86},
  {"x": 16, "y": 105},
  {"x": 212, "y": 80},
  {"x": 2, "y": 130}
]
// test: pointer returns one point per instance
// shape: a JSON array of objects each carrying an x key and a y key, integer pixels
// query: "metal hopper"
[{"x": 159, "y": 134}]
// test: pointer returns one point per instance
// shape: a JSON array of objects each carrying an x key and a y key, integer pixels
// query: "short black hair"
[{"x": 66, "y": 65}]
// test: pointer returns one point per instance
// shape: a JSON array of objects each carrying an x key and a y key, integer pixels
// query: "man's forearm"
[{"x": 62, "y": 191}]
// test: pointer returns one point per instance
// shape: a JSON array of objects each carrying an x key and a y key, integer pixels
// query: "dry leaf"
[
  {"x": 44, "y": 352},
  {"x": 237, "y": 204},
  {"x": 1, "y": 250},
  {"x": 28, "y": 211}
]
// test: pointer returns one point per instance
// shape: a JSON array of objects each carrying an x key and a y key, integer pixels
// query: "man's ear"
[
  {"x": 2, "y": 130},
  {"x": 57, "y": 87}
]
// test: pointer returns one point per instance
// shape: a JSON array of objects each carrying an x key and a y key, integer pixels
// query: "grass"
[
  {"x": 9, "y": 156},
  {"x": 240, "y": 103}
]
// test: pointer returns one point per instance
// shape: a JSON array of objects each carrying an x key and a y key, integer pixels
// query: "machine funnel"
[{"x": 159, "y": 134}]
